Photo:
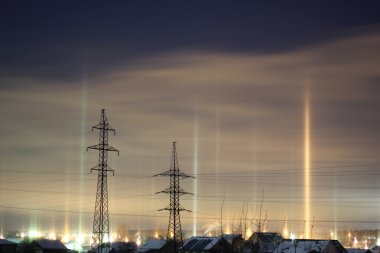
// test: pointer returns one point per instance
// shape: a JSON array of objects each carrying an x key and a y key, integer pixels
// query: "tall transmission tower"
[
  {"x": 100, "y": 231},
  {"x": 175, "y": 191}
]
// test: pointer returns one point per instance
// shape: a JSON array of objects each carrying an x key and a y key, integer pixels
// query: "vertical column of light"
[
  {"x": 335, "y": 211},
  {"x": 66, "y": 191},
  {"x": 195, "y": 171},
  {"x": 254, "y": 161},
  {"x": 82, "y": 143},
  {"x": 3, "y": 164},
  {"x": 153, "y": 187},
  {"x": 217, "y": 162},
  {"x": 307, "y": 162},
  {"x": 67, "y": 198}
]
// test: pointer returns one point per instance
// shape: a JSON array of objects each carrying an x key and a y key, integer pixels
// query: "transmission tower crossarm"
[
  {"x": 170, "y": 173},
  {"x": 183, "y": 175},
  {"x": 182, "y": 192},
  {"x": 167, "y": 191},
  {"x": 174, "y": 209},
  {"x": 104, "y": 147},
  {"x": 105, "y": 127},
  {"x": 98, "y": 168},
  {"x": 186, "y": 210},
  {"x": 166, "y": 173}
]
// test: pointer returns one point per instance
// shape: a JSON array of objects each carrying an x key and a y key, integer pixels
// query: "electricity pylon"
[
  {"x": 100, "y": 231},
  {"x": 175, "y": 191}
]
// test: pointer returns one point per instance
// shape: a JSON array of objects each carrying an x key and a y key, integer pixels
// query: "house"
[
  {"x": 375, "y": 249},
  {"x": 310, "y": 246},
  {"x": 158, "y": 246},
  {"x": 7, "y": 246},
  {"x": 207, "y": 245},
  {"x": 357, "y": 250},
  {"x": 124, "y": 247},
  {"x": 48, "y": 246},
  {"x": 261, "y": 242},
  {"x": 236, "y": 240}
]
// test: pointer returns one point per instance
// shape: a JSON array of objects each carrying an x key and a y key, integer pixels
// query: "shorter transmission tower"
[
  {"x": 100, "y": 232},
  {"x": 175, "y": 191}
]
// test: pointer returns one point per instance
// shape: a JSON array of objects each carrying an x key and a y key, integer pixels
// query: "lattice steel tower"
[
  {"x": 100, "y": 230},
  {"x": 175, "y": 191}
]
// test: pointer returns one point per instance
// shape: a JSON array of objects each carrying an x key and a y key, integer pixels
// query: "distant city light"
[
  {"x": 248, "y": 233},
  {"x": 91, "y": 240},
  {"x": 52, "y": 236},
  {"x": 228, "y": 229},
  {"x": 355, "y": 242},
  {"x": 79, "y": 242},
  {"x": 286, "y": 233},
  {"x": 113, "y": 237},
  {"x": 34, "y": 234},
  {"x": 138, "y": 241},
  {"x": 65, "y": 238}
]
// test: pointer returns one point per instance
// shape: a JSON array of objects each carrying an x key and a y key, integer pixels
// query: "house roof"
[
  {"x": 6, "y": 242},
  {"x": 201, "y": 243},
  {"x": 50, "y": 244},
  {"x": 14, "y": 239},
  {"x": 230, "y": 237},
  {"x": 123, "y": 245},
  {"x": 103, "y": 250},
  {"x": 153, "y": 244},
  {"x": 307, "y": 246}
]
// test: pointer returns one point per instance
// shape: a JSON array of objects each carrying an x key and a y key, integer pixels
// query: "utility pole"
[
  {"x": 175, "y": 191},
  {"x": 100, "y": 231}
]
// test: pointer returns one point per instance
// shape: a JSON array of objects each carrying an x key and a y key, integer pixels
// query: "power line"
[
  {"x": 228, "y": 173},
  {"x": 197, "y": 197},
  {"x": 185, "y": 217}
]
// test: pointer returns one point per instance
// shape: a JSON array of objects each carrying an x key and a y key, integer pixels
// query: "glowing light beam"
[
  {"x": 82, "y": 141},
  {"x": 195, "y": 171},
  {"x": 307, "y": 159}
]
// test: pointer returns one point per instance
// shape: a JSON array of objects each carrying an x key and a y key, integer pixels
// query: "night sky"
[{"x": 227, "y": 80}]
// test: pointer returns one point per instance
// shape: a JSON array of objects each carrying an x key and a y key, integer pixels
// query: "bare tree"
[
  {"x": 221, "y": 214},
  {"x": 233, "y": 229},
  {"x": 260, "y": 223},
  {"x": 244, "y": 222},
  {"x": 265, "y": 221}
]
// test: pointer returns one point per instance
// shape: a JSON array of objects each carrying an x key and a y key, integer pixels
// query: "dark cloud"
[{"x": 56, "y": 41}]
